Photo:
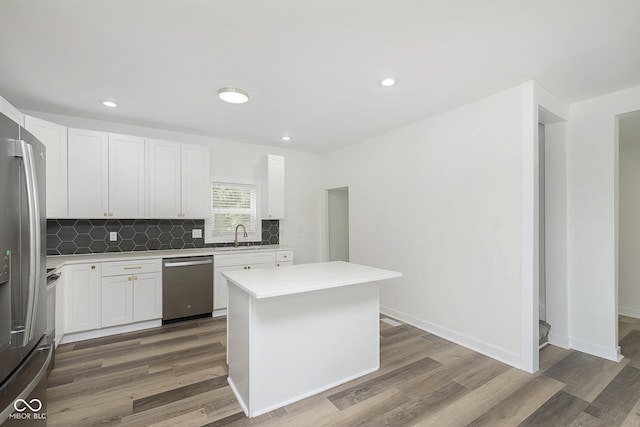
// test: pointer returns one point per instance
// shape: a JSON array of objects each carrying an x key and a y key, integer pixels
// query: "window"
[{"x": 233, "y": 204}]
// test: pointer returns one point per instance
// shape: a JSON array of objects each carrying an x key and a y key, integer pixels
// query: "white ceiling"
[{"x": 311, "y": 67}]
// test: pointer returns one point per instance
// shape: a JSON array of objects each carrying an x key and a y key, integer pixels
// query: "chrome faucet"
[{"x": 235, "y": 242}]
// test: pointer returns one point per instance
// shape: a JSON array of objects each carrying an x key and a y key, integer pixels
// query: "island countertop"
[{"x": 294, "y": 279}]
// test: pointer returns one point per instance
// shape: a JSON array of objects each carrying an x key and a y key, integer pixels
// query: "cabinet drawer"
[
  {"x": 282, "y": 256},
  {"x": 229, "y": 260},
  {"x": 283, "y": 263},
  {"x": 119, "y": 268},
  {"x": 261, "y": 258}
]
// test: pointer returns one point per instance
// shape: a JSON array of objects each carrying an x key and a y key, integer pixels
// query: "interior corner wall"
[
  {"x": 301, "y": 227},
  {"x": 629, "y": 267},
  {"x": 592, "y": 221},
  {"x": 441, "y": 201}
]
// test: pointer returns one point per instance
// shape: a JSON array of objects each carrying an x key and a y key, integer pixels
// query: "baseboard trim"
[
  {"x": 559, "y": 340},
  {"x": 500, "y": 354},
  {"x": 105, "y": 332},
  {"x": 631, "y": 312},
  {"x": 594, "y": 349}
]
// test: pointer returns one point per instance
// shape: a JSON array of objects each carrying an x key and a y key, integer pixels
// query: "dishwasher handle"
[{"x": 187, "y": 263}]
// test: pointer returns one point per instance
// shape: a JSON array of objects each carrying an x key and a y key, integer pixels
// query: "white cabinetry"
[
  {"x": 81, "y": 284},
  {"x": 243, "y": 261},
  {"x": 177, "y": 179},
  {"x": 195, "y": 181},
  {"x": 105, "y": 174},
  {"x": 10, "y": 111},
  {"x": 88, "y": 173},
  {"x": 130, "y": 291},
  {"x": 126, "y": 176},
  {"x": 54, "y": 137},
  {"x": 274, "y": 188}
]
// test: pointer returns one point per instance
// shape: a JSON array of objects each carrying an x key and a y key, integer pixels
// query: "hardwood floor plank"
[
  {"x": 559, "y": 411},
  {"x": 375, "y": 386},
  {"x": 475, "y": 403},
  {"x": 619, "y": 397},
  {"x": 521, "y": 404},
  {"x": 176, "y": 376},
  {"x": 419, "y": 408},
  {"x": 633, "y": 418},
  {"x": 179, "y": 393},
  {"x": 585, "y": 375}
]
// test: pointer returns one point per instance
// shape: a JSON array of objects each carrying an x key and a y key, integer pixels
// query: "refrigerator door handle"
[{"x": 25, "y": 152}]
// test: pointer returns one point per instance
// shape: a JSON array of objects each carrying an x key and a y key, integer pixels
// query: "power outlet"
[
  {"x": 113, "y": 236},
  {"x": 196, "y": 233}
]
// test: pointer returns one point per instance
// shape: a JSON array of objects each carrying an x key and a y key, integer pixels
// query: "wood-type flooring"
[{"x": 176, "y": 376}]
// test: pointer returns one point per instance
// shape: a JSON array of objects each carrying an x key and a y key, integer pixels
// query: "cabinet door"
[
  {"x": 116, "y": 300},
  {"x": 81, "y": 297},
  {"x": 147, "y": 296},
  {"x": 88, "y": 174},
  {"x": 126, "y": 176},
  {"x": 220, "y": 285},
  {"x": 274, "y": 194},
  {"x": 195, "y": 181},
  {"x": 163, "y": 179},
  {"x": 54, "y": 137}
]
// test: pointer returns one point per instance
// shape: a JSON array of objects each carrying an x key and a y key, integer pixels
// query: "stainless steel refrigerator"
[{"x": 25, "y": 348}]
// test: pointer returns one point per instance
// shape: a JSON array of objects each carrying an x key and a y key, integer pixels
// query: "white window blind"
[{"x": 233, "y": 204}]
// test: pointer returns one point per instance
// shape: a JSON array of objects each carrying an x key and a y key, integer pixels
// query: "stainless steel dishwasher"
[{"x": 187, "y": 288}]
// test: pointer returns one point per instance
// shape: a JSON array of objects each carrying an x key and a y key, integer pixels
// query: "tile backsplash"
[{"x": 84, "y": 236}]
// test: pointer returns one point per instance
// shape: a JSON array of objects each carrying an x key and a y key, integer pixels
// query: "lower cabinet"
[
  {"x": 130, "y": 292},
  {"x": 108, "y": 294},
  {"x": 81, "y": 284},
  {"x": 243, "y": 261}
]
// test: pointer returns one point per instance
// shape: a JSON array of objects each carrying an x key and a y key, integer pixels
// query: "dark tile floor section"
[{"x": 83, "y": 236}]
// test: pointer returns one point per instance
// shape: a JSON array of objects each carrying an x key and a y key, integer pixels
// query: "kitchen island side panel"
[
  {"x": 238, "y": 344},
  {"x": 302, "y": 344}
]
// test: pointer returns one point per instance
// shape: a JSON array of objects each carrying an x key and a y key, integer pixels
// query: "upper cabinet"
[
  {"x": 88, "y": 173},
  {"x": 54, "y": 138},
  {"x": 105, "y": 175},
  {"x": 12, "y": 112},
  {"x": 195, "y": 181},
  {"x": 177, "y": 180},
  {"x": 126, "y": 176},
  {"x": 273, "y": 205}
]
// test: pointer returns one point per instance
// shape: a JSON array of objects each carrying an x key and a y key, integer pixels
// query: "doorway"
[
  {"x": 628, "y": 291},
  {"x": 338, "y": 215}
]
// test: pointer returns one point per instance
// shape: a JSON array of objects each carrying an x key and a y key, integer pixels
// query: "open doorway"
[
  {"x": 553, "y": 296},
  {"x": 628, "y": 232},
  {"x": 338, "y": 215}
]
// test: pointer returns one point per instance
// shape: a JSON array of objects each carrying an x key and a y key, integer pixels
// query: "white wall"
[
  {"x": 301, "y": 227},
  {"x": 629, "y": 273},
  {"x": 441, "y": 201},
  {"x": 592, "y": 187}
]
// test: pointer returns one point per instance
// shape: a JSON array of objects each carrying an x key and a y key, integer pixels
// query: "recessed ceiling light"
[
  {"x": 109, "y": 104},
  {"x": 286, "y": 138},
  {"x": 387, "y": 82},
  {"x": 233, "y": 95}
]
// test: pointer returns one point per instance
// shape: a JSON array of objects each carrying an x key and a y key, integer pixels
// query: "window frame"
[{"x": 254, "y": 237}]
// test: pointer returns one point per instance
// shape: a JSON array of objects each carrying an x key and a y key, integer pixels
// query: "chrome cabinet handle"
[{"x": 187, "y": 263}]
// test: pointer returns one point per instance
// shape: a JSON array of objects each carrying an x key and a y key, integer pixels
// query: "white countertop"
[
  {"x": 274, "y": 282},
  {"x": 56, "y": 261}
]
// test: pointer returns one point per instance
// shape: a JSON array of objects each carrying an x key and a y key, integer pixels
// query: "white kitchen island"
[{"x": 298, "y": 330}]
